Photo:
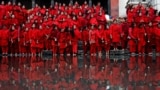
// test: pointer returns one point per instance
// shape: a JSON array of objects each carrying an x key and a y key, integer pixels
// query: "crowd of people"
[{"x": 60, "y": 27}]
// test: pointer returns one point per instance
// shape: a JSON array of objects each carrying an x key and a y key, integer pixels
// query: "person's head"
[
  {"x": 74, "y": 18},
  {"x": 74, "y": 26},
  {"x": 12, "y": 16},
  {"x": 19, "y": 4},
  {"x": 23, "y": 6},
  {"x": 37, "y": 6},
  {"x": 85, "y": 2},
  {"x": 40, "y": 27},
  {"x": 44, "y": 6},
  {"x": 150, "y": 24},
  {"x": 92, "y": 26},
  {"x": 100, "y": 27},
  {"x": 140, "y": 14},
  {"x": 26, "y": 29},
  {"x": 13, "y": 27},
  {"x": 98, "y": 4},
  {"x": 9, "y": 3},
  {"x": 33, "y": 25},
  {"x": 2, "y": 3}
]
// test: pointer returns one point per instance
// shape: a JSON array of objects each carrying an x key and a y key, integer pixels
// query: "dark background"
[{"x": 28, "y": 3}]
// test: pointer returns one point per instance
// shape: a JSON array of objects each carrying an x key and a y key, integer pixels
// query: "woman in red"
[
  {"x": 68, "y": 41},
  {"x": 116, "y": 31},
  {"x": 33, "y": 40},
  {"x": 14, "y": 40},
  {"x": 150, "y": 38},
  {"x": 76, "y": 35},
  {"x": 132, "y": 38},
  {"x": 4, "y": 38},
  {"x": 107, "y": 39},
  {"x": 92, "y": 40},
  {"x": 141, "y": 35},
  {"x": 85, "y": 39},
  {"x": 62, "y": 41},
  {"x": 40, "y": 40},
  {"x": 101, "y": 40},
  {"x": 54, "y": 42}
]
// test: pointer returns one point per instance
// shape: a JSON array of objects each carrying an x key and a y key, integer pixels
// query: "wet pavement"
[{"x": 80, "y": 73}]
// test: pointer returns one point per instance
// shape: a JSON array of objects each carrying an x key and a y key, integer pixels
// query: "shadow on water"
[{"x": 80, "y": 73}]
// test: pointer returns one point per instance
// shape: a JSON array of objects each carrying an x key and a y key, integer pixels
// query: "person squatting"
[{"x": 60, "y": 27}]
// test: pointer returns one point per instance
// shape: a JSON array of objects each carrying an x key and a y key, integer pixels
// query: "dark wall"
[
  {"x": 28, "y": 3},
  {"x": 47, "y": 3}
]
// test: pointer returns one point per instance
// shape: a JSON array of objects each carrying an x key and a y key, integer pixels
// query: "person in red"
[
  {"x": 150, "y": 38},
  {"x": 47, "y": 30},
  {"x": 76, "y": 35},
  {"x": 22, "y": 48},
  {"x": 125, "y": 27},
  {"x": 157, "y": 37},
  {"x": 85, "y": 39},
  {"x": 54, "y": 36},
  {"x": 92, "y": 40},
  {"x": 130, "y": 14},
  {"x": 101, "y": 40},
  {"x": 107, "y": 39},
  {"x": 62, "y": 41},
  {"x": 68, "y": 41},
  {"x": 40, "y": 40},
  {"x": 141, "y": 35},
  {"x": 14, "y": 38},
  {"x": 116, "y": 33},
  {"x": 132, "y": 36},
  {"x": 26, "y": 41},
  {"x": 33, "y": 41},
  {"x": 4, "y": 39}
]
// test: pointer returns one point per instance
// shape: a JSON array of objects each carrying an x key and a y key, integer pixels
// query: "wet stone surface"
[{"x": 114, "y": 72}]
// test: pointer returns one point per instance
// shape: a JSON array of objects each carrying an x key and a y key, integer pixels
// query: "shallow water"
[{"x": 80, "y": 73}]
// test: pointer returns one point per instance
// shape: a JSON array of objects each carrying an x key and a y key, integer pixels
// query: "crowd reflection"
[{"x": 80, "y": 73}]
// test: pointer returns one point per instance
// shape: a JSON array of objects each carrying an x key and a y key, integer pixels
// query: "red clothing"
[
  {"x": 116, "y": 31},
  {"x": 62, "y": 42}
]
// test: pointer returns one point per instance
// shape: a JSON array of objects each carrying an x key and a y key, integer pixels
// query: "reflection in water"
[{"x": 80, "y": 73}]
